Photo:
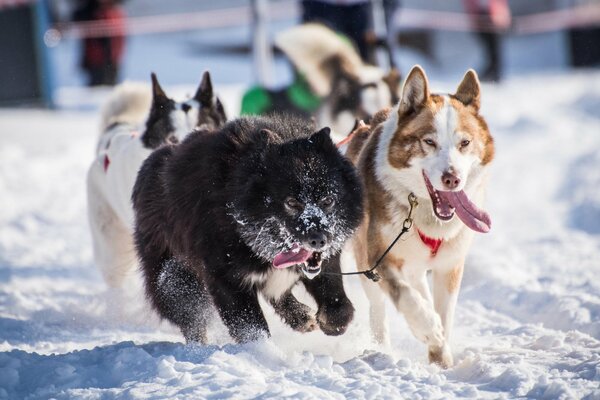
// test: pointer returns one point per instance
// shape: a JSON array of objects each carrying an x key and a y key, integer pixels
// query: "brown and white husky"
[{"x": 439, "y": 148}]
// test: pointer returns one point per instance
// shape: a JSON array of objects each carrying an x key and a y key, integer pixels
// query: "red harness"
[
  {"x": 433, "y": 244},
  {"x": 346, "y": 140},
  {"x": 106, "y": 163}
]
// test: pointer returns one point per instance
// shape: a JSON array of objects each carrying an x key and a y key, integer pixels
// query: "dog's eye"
[
  {"x": 293, "y": 204},
  {"x": 173, "y": 139},
  {"x": 327, "y": 201},
  {"x": 430, "y": 142},
  {"x": 465, "y": 143}
]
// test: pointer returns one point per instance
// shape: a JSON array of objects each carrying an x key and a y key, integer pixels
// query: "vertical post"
[
  {"x": 384, "y": 57},
  {"x": 44, "y": 67},
  {"x": 261, "y": 46}
]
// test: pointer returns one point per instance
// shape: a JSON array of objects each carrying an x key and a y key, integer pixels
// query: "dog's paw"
[
  {"x": 334, "y": 320},
  {"x": 441, "y": 356},
  {"x": 307, "y": 323},
  {"x": 427, "y": 327}
]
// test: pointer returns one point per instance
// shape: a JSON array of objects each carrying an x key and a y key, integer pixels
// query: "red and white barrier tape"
[
  {"x": 14, "y": 3},
  {"x": 579, "y": 16},
  {"x": 235, "y": 16}
]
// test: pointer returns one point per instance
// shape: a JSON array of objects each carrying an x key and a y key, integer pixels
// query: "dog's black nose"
[
  {"x": 317, "y": 240},
  {"x": 450, "y": 180},
  {"x": 186, "y": 107}
]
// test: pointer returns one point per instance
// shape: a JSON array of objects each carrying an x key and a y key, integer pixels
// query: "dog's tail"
[{"x": 129, "y": 103}]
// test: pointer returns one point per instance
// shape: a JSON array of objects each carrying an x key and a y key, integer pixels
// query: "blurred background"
[
  {"x": 51, "y": 50},
  {"x": 528, "y": 316}
]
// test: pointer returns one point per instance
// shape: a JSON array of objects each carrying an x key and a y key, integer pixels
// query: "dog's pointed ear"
[
  {"x": 469, "y": 90},
  {"x": 266, "y": 137},
  {"x": 204, "y": 94},
  {"x": 157, "y": 91},
  {"x": 322, "y": 136},
  {"x": 415, "y": 91},
  {"x": 220, "y": 109}
]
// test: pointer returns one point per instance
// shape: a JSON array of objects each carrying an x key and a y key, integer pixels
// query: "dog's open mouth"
[
  {"x": 445, "y": 204},
  {"x": 309, "y": 261}
]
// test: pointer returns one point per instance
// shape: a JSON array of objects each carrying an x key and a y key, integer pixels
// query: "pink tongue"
[
  {"x": 296, "y": 255},
  {"x": 473, "y": 217}
]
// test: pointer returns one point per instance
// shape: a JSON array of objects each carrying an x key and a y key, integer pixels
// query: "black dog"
[{"x": 255, "y": 207}]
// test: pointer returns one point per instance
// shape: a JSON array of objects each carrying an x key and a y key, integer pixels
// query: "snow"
[{"x": 528, "y": 316}]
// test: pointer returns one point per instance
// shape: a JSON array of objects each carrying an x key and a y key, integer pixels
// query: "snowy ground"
[{"x": 528, "y": 318}]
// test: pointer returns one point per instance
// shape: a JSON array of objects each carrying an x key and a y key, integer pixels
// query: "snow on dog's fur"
[
  {"x": 255, "y": 208},
  {"x": 437, "y": 147},
  {"x": 123, "y": 145}
]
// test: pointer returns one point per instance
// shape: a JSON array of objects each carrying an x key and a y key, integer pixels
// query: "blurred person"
[
  {"x": 584, "y": 40},
  {"x": 380, "y": 38},
  {"x": 101, "y": 56},
  {"x": 490, "y": 18},
  {"x": 353, "y": 18}
]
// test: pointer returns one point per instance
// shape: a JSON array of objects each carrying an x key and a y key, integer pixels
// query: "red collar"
[{"x": 433, "y": 244}]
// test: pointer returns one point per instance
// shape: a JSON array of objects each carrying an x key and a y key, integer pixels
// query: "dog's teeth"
[{"x": 311, "y": 274}]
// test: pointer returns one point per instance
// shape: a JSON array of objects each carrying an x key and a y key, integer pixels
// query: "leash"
[{"x": 406, "y": 225}]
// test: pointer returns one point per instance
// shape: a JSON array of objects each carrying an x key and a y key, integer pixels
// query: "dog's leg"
[
  {"x": 375, "y": 294},
  {"x": 422, "y": 319},
  {"x": 418, "y": 280},
  {"x": 377, "y": 315},
  {"x": 297, "y": 315},
  {"x": 446, "y": 285},
  {"x": 181, "y": 297},
  {"x": 240, "y": 310},
  {"x": 335, "y": 309},
  {"x": 114, "y": 252}
]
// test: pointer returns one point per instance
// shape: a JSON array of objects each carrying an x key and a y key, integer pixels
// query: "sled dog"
[
  {"x": 348, "y": 87},
  {"x": 255, "y": 208},
  {"x": 123, "y": 145},
  {"x": 437, "y": 147}
]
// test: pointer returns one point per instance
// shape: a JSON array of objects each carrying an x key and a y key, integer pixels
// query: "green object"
[
  {"x": 301, "y": 96},
  {"x": 257, "y": 100}
]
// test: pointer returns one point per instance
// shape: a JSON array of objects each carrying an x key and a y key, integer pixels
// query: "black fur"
[
  {"x": 211, "y": 114},
  {"x": 211, "y": 212},
  {"x": 159, "y": 127}
]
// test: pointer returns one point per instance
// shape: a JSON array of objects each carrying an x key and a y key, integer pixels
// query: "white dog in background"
[{"x": 124, "y": 143}]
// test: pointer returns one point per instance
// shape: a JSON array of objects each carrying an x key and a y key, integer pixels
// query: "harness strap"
[{"x": 406, "y": 225}]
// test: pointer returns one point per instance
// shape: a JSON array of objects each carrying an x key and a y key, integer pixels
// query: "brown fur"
[
  {"x": 470, "y": 122},
  {"x": 416, "y": 119},
  {"x": 368, "y": 241},
  {"x": 406, "y": 142},
  {"x": 454, "y": 278}
]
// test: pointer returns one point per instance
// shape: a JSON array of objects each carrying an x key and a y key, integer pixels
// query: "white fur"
[
  {"x": 373, "y": 99},
  {"x": 110, "y": 211},
  {"x": 275, "y": 282},
  {"x": 183, "y": 123},
  {"x": 376, "y": 98},
  {"x": 128, "y": 104},
  {"x": 308, "y": 46},
  {"x": 429, "y": 317},
  {"x": 341, "y": 124}
]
